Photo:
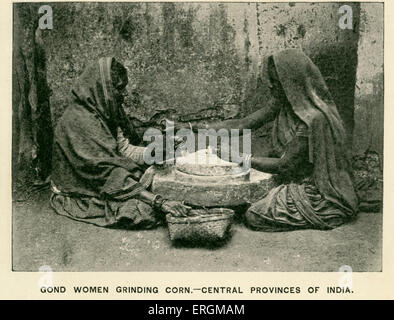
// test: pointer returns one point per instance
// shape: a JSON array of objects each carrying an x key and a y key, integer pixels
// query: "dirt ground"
[{"x": 40, "y": 237}]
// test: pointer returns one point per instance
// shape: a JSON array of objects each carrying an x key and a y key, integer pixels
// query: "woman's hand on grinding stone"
[{"x": 138, "y": 174}]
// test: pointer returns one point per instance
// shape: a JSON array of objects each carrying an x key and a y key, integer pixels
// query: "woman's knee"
[{"x": 252, "y": 220}]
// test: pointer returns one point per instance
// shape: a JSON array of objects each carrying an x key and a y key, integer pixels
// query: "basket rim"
[
  {"x": 200, "y": 218},
  {"x": 213, "y": 211}
]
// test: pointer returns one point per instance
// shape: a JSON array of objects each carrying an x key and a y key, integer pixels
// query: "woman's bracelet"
[{"x": 158, "y": 201}]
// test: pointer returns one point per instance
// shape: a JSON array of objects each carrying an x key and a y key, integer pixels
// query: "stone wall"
[
  {"x": 198, "y": 61},
  {"x": 369, "y": 95}
]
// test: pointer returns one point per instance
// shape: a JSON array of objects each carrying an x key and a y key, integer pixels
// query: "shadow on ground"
[{"x": 40, "y": 237}]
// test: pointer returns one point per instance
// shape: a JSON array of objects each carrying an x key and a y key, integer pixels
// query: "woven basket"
[{"x": 208, "y": 224}]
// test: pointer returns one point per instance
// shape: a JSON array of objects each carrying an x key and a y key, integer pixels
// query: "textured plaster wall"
[
  {"x": 312, "y": 27},
  {"x": 198, "y": 61},
  {"x": 369, "y": 104},
  {"x": 181, "y": 65}
]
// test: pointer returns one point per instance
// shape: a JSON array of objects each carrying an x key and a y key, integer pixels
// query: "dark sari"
[
  {"x": 320, "y": 194},
  {"x": 91, "y": 180}
]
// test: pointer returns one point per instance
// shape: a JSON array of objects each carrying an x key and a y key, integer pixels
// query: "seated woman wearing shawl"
[
  {"x": 98, "y": 178},
  {"x": 310, "y": 155}
]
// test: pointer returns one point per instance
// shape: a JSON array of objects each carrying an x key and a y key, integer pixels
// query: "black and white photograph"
[{"x": 197, "y": 136}]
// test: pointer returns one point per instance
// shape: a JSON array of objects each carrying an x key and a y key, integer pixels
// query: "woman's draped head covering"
[
  {"x": 94, "y": 89},
  {"x": 309, "y": 100},
  {"x": 306, "y": 90}
]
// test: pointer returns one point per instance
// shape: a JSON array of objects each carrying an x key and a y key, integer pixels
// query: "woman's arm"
[
  {"x": 295, "y": 154},
  {"x": 147, "y": 197},
  {"x": 126, "y": 149},
  {"x": 175, "y": 208},
  {"x": 252, "y": 121}
]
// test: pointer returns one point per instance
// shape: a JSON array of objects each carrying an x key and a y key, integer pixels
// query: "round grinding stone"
[{"x": 211, "y": 192}]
